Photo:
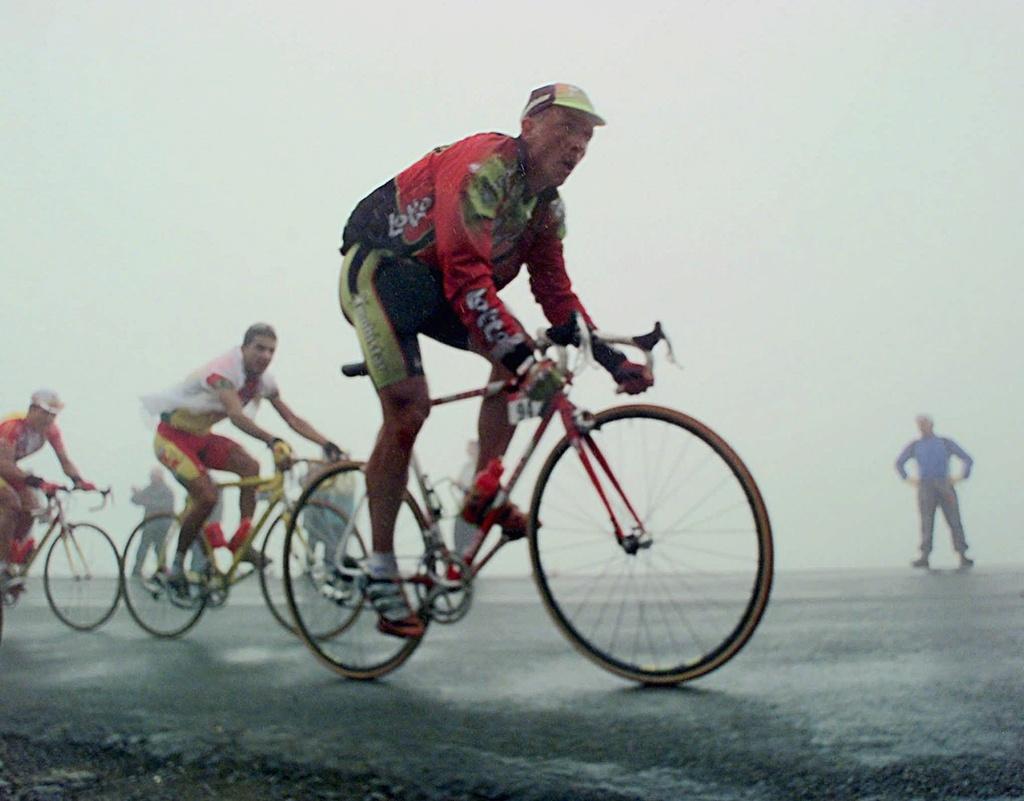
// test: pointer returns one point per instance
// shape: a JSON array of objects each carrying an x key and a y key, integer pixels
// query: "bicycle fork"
[
  {"x": 578, "y": 425},
  {"x": 66, "y": 536}
]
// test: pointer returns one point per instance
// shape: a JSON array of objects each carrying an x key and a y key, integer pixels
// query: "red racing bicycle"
[{"x": 649, "y": 542}]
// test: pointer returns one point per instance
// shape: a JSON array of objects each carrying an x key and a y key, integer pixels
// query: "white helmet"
[{"x": 47, "y": 400}]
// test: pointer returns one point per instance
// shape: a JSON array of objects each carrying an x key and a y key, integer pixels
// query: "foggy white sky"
[{"x": 820, "y": 200}]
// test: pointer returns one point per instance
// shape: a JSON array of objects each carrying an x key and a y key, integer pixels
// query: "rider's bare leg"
[
  {"x": 24, "y": 520},
  {"x": 202, "y": 496},
  {"x": 493, "y": 428},
  {"x": 23, "y": 523},
  {"x": 16, "y": 508},
  {"x": 495, "y": 434},
  {"x": 16, "y": 519},
  {"x": 10, "y": 510},
  {"x": 244, "y": 466},
  {"x": 405, "y": 405}
]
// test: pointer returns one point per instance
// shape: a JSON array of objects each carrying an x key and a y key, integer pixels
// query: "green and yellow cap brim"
[{"x": 564, "y": 95}]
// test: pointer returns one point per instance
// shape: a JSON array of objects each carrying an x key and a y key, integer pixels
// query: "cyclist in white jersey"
[{"x": 230, "y": 386}]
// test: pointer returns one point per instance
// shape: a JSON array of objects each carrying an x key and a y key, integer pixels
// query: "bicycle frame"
[
  {"x": 577, "y": 424},
  {"x": 575, "y": 421},
  {"x": 55, "y": 510},
  {"x": 274, "y": 487}
]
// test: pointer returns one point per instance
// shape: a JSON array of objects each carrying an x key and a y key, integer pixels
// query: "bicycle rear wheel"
[
  {"x": 82, "y": 576},
  {"x": 684, "y": 596},
  {"x": 329, "y": 536},
  {"x": 148, "y": 555}
]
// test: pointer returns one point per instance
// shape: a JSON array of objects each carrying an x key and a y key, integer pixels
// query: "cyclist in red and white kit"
[
  {"x": 230, "y": 387},
  {"x": 21, "y": 435},
  {"x": 427, "y": 253}
]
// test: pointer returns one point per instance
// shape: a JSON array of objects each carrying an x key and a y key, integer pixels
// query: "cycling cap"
[
  {"x": 561, "y": 94},
  {"x": 47, "y": 400}
]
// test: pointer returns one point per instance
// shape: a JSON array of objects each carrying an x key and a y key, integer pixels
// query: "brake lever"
[
  {"x": 106, "y": 495},
  {"x": 646, "y": 342}
]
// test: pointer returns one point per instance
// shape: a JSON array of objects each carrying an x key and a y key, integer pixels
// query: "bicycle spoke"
[{"x": 699, "y": 503}]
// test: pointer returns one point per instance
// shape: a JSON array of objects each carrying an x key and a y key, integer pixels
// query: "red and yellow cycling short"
[{"x": 189, "y": 455}]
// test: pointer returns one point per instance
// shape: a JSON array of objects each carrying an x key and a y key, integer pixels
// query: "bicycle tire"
[
  {"x": 266, "y": 576},
  {"x": 687, "y": 603},
  {"x": 272, "y": 581},
  {"x": 145, "y": 598},
  {"x": 341, "y": 631},
  {"x": 82, "y": 578}
]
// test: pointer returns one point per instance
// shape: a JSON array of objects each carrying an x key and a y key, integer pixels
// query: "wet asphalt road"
[{"x": 872, "y": 686}]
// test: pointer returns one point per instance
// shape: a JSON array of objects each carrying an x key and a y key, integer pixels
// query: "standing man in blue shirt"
[{"x": 935, "y": 487}]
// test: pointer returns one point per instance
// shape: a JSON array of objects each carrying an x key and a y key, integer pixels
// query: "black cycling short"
[{"x": 391, "y": 300}]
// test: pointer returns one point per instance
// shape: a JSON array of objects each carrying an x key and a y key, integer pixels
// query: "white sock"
[{"x": 382, "y": 565}]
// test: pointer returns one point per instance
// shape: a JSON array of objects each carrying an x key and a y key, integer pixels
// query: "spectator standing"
[
  {"x": 155, "y": 498},
  {"x": 935, "y": 487}
]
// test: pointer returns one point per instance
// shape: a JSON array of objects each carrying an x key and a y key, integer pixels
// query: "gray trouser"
[
  {"x": 932, "y": 492},
  {"x": 153, "y": 534}
]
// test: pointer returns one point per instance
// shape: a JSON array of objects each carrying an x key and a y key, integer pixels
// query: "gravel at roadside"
[{"x": 126, "y": 770}]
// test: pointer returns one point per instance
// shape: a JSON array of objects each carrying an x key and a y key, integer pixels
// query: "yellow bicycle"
[{"x": 150, "y": 550}]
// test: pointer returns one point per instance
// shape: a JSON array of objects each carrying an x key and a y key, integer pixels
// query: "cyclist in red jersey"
[
  {"x": 427, "y": 253},
  {"x": 22, "y": 435}
]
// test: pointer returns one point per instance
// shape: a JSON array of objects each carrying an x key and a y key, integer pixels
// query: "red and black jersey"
[{"x": 466, "y": 211}]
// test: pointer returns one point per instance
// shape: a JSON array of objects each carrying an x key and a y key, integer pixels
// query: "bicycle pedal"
[
  {"x": 353, "y": 576},
  {"x": 12, "y": 591},
  {"x": 337, "y": 595},
  {"x": 216, "y": 599}
]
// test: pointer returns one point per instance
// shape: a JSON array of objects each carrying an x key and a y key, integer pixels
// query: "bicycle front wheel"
[
  {"x": 328, "y": 539},
  {"x": 316, "y": 516},
  {"x": 683, "y": 590},
  {"x": 81, "y": 576},
  {"x": 272, "y": 574},
  {"x": 148, "y": 556}
]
